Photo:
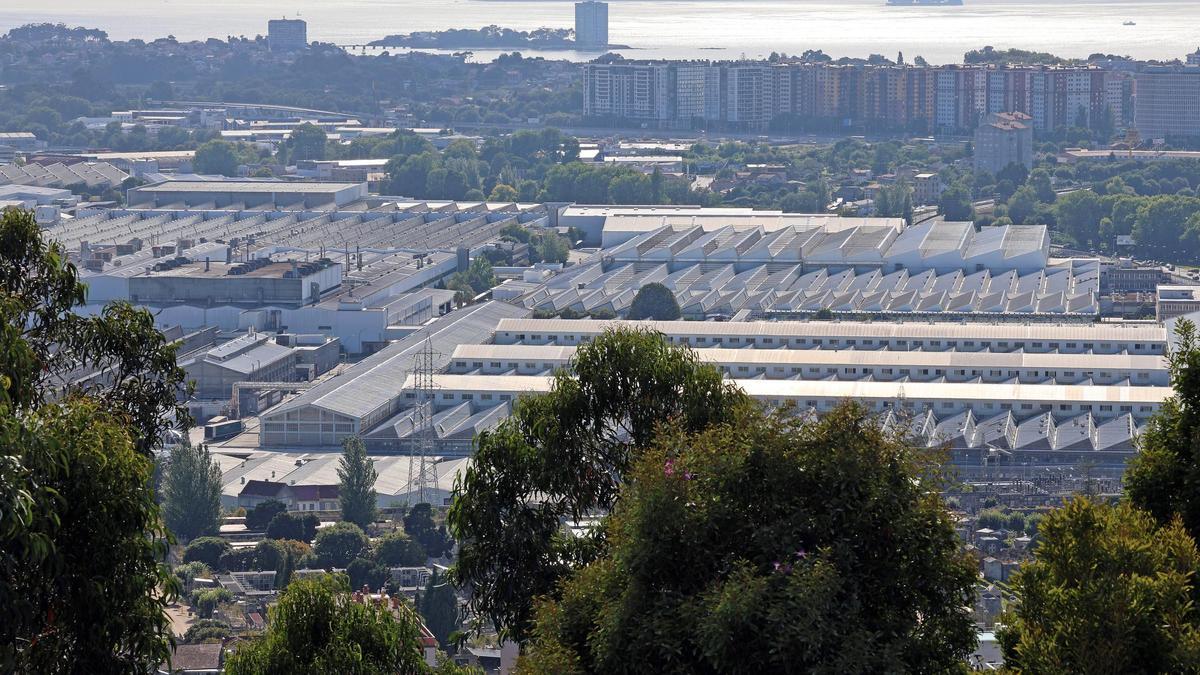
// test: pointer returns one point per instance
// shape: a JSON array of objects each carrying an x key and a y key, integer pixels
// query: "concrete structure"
[
  {"x": 1004, "y": 138},
  {"x": 1174, "y": 301},
  {"x": 591, "y": 24},
  {"x": 1168, "y": 101},
  {"x": 249, "y": 358},
  {"x": 287, "y": 35}
]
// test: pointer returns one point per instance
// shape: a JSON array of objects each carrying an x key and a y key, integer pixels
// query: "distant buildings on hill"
[
  {"x": 758, "y": 95},
  {"x": 287, "y": 35},
  {"x": 591, "y": 24}
]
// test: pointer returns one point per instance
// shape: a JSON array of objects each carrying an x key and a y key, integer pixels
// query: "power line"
[{"x": 422, "y": 464}]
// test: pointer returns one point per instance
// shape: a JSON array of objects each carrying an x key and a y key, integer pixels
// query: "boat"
[{"x": 1129, "y": 23}]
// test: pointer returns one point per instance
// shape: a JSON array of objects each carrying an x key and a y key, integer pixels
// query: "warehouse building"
[
  {"x": 1070, "y": 338},
  {"x": 370, "y": 392}
]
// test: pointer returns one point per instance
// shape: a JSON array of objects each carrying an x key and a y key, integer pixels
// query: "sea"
[{"x": 677, "y": 29}]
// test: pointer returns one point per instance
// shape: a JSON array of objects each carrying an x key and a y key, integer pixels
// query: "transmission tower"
[{"x": 422, "y": 462}]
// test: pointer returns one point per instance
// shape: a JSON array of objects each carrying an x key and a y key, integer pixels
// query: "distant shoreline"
[{"x": 491, "y": 37}]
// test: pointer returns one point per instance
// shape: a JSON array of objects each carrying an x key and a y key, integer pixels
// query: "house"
[
  {"x": 296, "y": 497},
  {"x": 312, "y": 498},
  {"x": 256, "y": 492},
  {"x": 993, "y": 569},
  {"x": 201, "y": 659}
]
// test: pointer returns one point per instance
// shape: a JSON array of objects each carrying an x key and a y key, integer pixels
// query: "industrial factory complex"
[{"x": 308, "y": 310}]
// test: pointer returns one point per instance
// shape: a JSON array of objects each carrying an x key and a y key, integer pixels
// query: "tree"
[
  {"x": 562, "y": 455},
  {"x": 811, "y": 546},
  {"x": 1164, "y": 476},
  {"x": 1078, "y": 215},
  {"x": 399, "y": 550},
  {"x": 654, "y": 301},
  {"x": 801, "y": 202},
  {"x": 503, "y": 193},
  {"x": 76, "y": 498},
  {"x": 439, "y": 607},
  {"x": 307, "y": 141},
  {"x": 955, "y": 204},
  {"x": 192, "y": 492},
  {"x": 216, "y": 158},
  {"x": 261, "y": 515},
  {"x": 364, "y": 572},
  {"x": 205, "y": 600},
  {"x": 207, "y": 630},
  {"x": 207, "y": 550},
  {"x": 356, "y": 489},
  {"x": 317, "y": 628},
  {"x": 1109, "y": 591},
  {"x": 1022, "y": 205},
  {"x": 293, "y": 526},
  {"x": 338, "y": 544},
  {"x": 418, "y": 523}
]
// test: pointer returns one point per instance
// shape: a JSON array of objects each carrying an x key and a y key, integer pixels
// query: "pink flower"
[{"x": 669, "y": 468}]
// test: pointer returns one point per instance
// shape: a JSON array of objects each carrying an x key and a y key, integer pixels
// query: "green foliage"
[
  {"x": 365, "y": 573},
  {"x": 1109, "y": 591},
  {"x": 356, "y": 490},
  {"x": 191, "y": 492},
  {"x": 216, "y": 158},
  {"x": 299, "y": 527},
  {"x": 419, "y": 524},
  {"x": 1164, "y": 477},
  {"x": 307, "y": 141},
  {"x": 955, "y": 204},
  {"x": 261, "y": 515},
  {"x": 207, "y": 550},
  {"x": 503, "y": 193},
  {"x": 76, "y": 501},
  {"x": 207, "y": 630},
  {"x": 562, "y": 455},
  {"x": 654, "y": 301},
  {"x": 338, "y": 544},
  {"x": 438, "y": 606},
  {"x": 397, "y": 549},
  {"x": 189, "y": 572},
  {"x": 205, "y": 600},
  {"x": 769, "y": 544},
  {"x": 316, "y": 628}
]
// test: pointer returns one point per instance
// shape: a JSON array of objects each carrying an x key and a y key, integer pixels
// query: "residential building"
[
  {"x": 1002, "y": 139},
  {"x": 638, "y": 92},
  {"x": 927, "y": 188},
  {"x": 1168, "y": 101},
  {"x": 287, "y": 35},
  {"x": 591, "y": 24}
]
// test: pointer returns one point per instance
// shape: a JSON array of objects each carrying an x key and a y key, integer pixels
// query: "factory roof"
[
  {"x": 246, "y": 186},
  {"x": 855, "y": 389},
  {"x": 887, "y": 330},
  {"x": 375, "y": 381},
  {"x": 858, "y": 357}
]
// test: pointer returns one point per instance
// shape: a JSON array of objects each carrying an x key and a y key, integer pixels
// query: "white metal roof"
[
  {"x": 851, "y": 357},
  {"x": 908, "y": 330}
]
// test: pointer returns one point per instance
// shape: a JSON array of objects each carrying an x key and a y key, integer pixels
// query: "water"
[{"x": 712, "y": 29}]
